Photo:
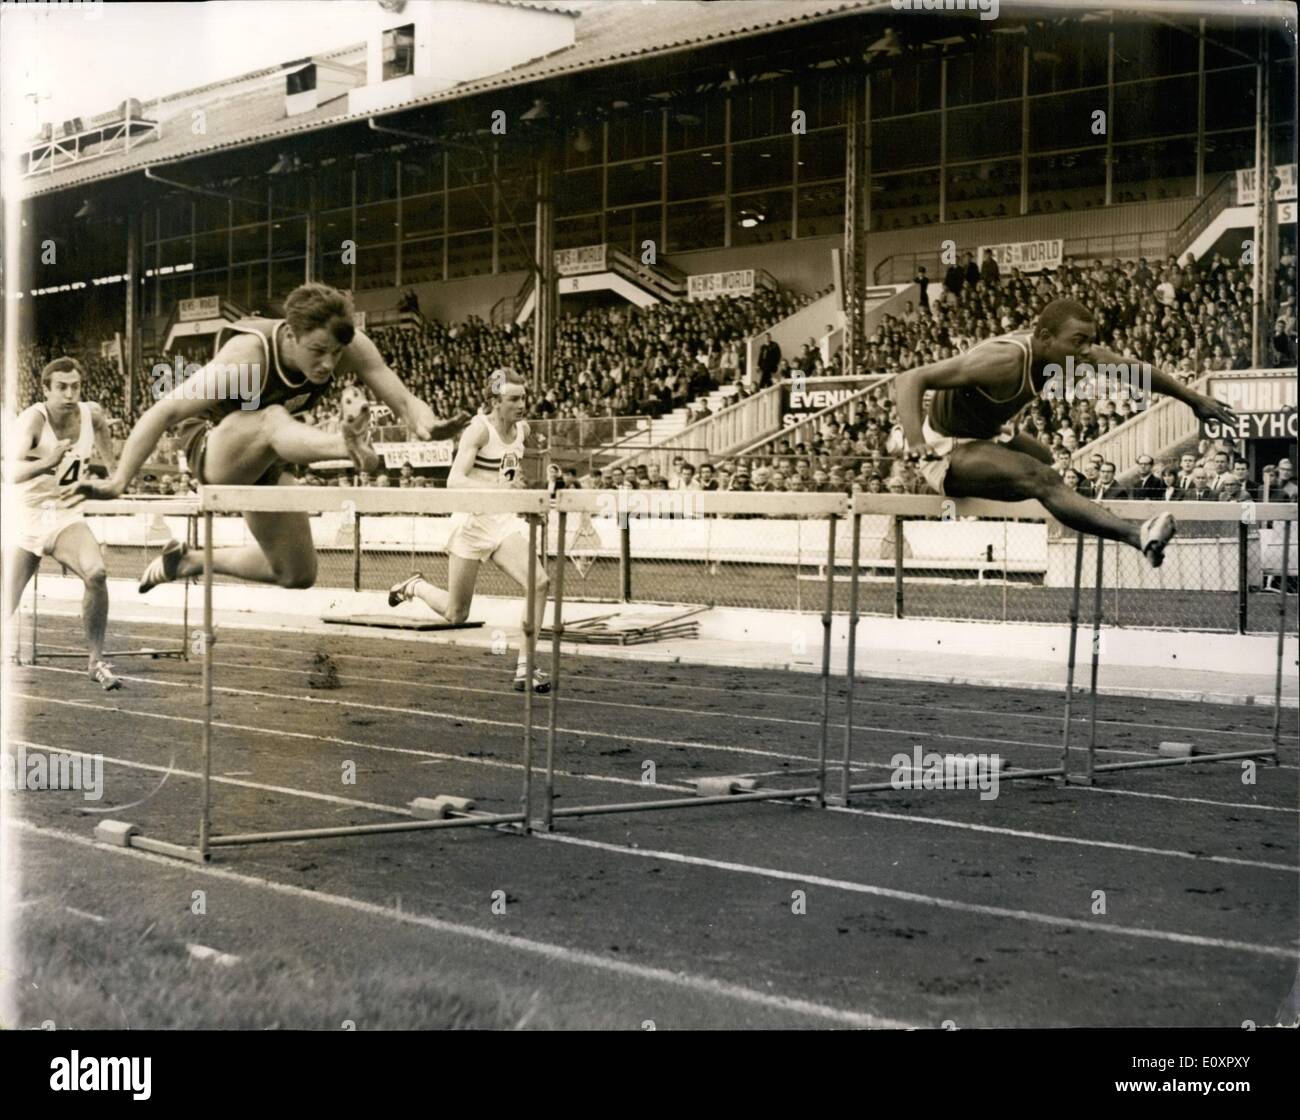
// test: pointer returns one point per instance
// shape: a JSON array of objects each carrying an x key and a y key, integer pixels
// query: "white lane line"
[
  {"x": 983, "y": 909},
  {"x": 1053, "y": 838},
  {"x": 210, "y": 955},
  {"x": 561, "y": 954},
  {"x": 96, "y": 918},
  {"x": 571, "y": 774}
]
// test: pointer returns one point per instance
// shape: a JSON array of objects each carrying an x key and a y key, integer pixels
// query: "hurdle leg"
[
  {"x": 1069, "y": 668},
  {"x": 1281, "y": 638},
  {"x": 1096, "y": 657},
  {"x": 530, "y": 634},
  {"x": 855, "y": 554},
  {"x": 827, "y": 619},
  {"x": 191, "y": 537},
  {"x": 36, "y": 597},
  {"x": 557, "y": 630},
  {"x": 205, "y": 795}
]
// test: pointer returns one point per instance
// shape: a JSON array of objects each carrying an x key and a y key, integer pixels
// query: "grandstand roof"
[{"x": 250, "y": 108}]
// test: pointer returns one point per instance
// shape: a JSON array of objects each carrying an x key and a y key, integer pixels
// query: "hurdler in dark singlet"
[
  {"x": 968, "y": 412},
  {"x": 276, "y": 386}
]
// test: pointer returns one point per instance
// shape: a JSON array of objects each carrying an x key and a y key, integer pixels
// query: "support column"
[
  {"x": 1265, "y": 219},
  {"x": 131, "y": 327},
  {"x": 857, "y": 183},
  {"x": 544, "y": 305}
]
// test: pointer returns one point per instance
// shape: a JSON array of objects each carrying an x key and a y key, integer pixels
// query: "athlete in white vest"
[
  {"x": 55, "y": 442},
  {"x": 490, "y": 456}
]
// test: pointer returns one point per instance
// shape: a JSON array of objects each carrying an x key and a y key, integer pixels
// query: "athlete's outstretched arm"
[
  {"x": 193, "y": 397},
  {"x": 388, "y": 387},
  {"x": 995, "y": 368},
  {"x": 103, "y": 437},
  {"x": 1205, "y": 407},
  {"x": 474, "y": 437}
]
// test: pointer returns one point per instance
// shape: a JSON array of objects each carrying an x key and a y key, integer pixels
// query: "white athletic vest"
[
  {"x": 499, "y": 461},
  {"x": 71, "y": 468}
]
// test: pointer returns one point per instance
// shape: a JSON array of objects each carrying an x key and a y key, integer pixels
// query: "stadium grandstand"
[{"x": 677, "y": 160}]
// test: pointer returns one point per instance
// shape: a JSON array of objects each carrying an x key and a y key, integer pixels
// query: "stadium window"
[
  {"x": 984, "y": 131},
  {"x": 290, "y": 192},
  {"x": 376, "y": 267},
  {"x": 762, "y": 163},
  {"x": 1160, "y": 108},
  {"x": 976, "y": 190},
  {"x": 289, "y": 237},
  {"x": 821, "y": 155},
  {"x": 1229, "y": 151},
  {"x": 334, "y": 185},
  {"x": 762, "y": 109},
  {"x": 212, "y": 283},
  {"x": 1230, "y": 98},
  {"x": 626, "y": 229},
  {"x": 697, "y": 174},
  {"x": 333, "y": 227},
  {"x": 210, "y": 251},
  {"x": 376, "y": 179},
  {"x": 821, "y": 209},
  {"x": 211, "y": 213},
  {"x": 248, "y": 243},
  {"x": 517, "y": 197},
  {"x": 465, "y": 209},
  {"x": 287, "y": 275},
  {"x": 697, "y": 123},
  {"x": 760, "y": 218},
  {"x": 332, "y": 269},
  {"x": 422, "y": 215},
  {"x": 634, "y": 182},
  {"x": 377, "y": 224},
  {"x": 469, "y": 255},
  {"x": 250, "y": 207},
  {"x": 1067, "y": 180},
  {"x": 906, "y": 141},
  {"x": 578, "y": 192},
  {"x": 248, "y": 286},
  {"x": 1155, "y": 164},
  {"x": 1063, "y": 120},
  {"x": 422, "y": 260},
  {"x": 174, "y": 252},
  {"x": 515, "y": 253},
  {"x": 174, "y": 217},
  {"x": 574, "y": 233},
  {"x": 1072, "y": 61},
  {"x": 399, "y": 52},
  {"x": 822, "y": 95},
  {"x": 695, "y": 225},
  {"x": 635, "y": 133},
  {"x": 911, "y": 197}
]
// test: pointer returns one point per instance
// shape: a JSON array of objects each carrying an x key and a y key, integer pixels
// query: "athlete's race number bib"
[{"x": 509, "y": 466}]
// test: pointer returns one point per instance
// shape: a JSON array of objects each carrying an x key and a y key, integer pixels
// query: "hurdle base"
[{"x": 397, "y": 622}]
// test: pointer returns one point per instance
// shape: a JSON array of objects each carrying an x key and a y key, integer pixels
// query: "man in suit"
[
  {"x": 769, "y": 357},
  {"x": 1149, "y": 486},
  {"x": 1106, "y": 488},
  {"x": 1186, "y": 465},
  {"x": 1200, "y": 490}
]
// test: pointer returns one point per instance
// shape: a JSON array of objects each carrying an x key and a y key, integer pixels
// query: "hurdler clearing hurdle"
[{"x": 254, "y": 439}]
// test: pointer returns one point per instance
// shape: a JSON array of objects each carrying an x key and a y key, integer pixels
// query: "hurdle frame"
[
  {"x": 627, "y": 504},
  {"x": 213, "y": 500},
  {"x": 143, "y": 505}
]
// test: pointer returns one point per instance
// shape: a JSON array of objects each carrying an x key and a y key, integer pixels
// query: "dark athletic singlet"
[{"x": 968, "y": 412}]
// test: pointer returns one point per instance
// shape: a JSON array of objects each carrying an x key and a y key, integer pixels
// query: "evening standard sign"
[
  {"x": 1286, "y": 185},
  {"x": 436, "y": 453},
  {"x": 193, "y": 310},
  {"x": 803, "y": 397},
  {"x": 1265, "y": 407},
  {"x": 577, "y": 262},
  {"x": 1027, "y": 256},
  {"x": 710, "y": 284}
]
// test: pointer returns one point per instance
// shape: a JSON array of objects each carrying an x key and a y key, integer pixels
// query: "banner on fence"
[
  {"x": 1285, "y": 192},
  {"x": 1265, "y": 407},
  {"x": 1027, "y": 256},
  {"x": 437, "y": 453}
]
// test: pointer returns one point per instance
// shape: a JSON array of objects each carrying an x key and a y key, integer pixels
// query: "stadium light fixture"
[
  {"x": 582, "y": 142},
  {"x": 888, "y": 44},
  {"x": 539, "y": 111},
  {"x": 88, "y": 210}
]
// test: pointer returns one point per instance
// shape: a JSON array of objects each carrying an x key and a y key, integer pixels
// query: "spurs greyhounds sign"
[{"x": 1265, "y": 407}]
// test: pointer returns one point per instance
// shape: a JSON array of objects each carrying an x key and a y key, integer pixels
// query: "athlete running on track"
[
  {"x": 55, "y": 441},
  {"x": 490, "y": 456},
  {"x": 233, "y": 439},
  {"x": 966, "y": 445}
]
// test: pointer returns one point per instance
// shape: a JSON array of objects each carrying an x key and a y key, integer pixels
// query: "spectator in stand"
[
  {"x": 707, "y": 481},
  {"x": 1107, "y": 489},
  {"x": 972, "y": 271},
  {"x": 685, "y": 479},
  {"x": 1222, "y": 469},
  {"x": 989, "y": 271},
  {"x": 1172, "y": 492},
  {"x": 1231, "y": 490},
  {"x": 1150, "y": 486},
  {"x": 953, "y": 282},
  {"x": 1186, "y": 466},
  {"x": 1240, "y": 472},
  {"x": 769, "y": 359},
  {"x": 1286, "y": 482},
  {"x": 1072, "y": 478},
  {"x": 922, "y": 281},
  {"x": 1200, "y": 490}
]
